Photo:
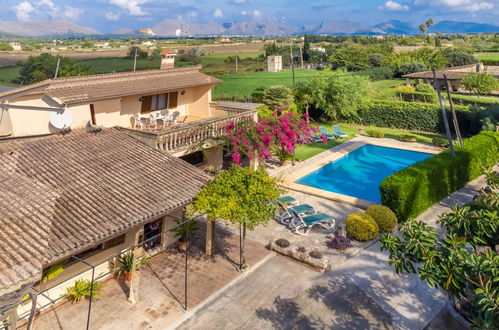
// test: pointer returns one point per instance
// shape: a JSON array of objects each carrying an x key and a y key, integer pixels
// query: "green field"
[
  {"x": 383, "y": 89},
  {"x": 220, "y": 57},
  {"x": 488, "y": 56},
  {"x": 245, "y": 84},
  {"x": 309, "y": 150}
]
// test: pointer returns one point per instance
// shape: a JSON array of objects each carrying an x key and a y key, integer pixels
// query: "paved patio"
[{"x": 159, "y": 289}]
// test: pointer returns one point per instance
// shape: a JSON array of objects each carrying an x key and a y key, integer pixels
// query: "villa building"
[
  {"x": 91, "y": 166},
  {"x": 453, "y": 75}
]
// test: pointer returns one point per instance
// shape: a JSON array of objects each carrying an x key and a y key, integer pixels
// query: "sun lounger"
[
  {"x": 303, "y": 224},
  {"x": 287, "y": 200},
  {"x": 286, "y": 215},
  {"x": 324, "y": 132},
  {"x": 338, "y": 132}
]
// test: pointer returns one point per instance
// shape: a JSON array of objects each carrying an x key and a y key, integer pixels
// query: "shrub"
[
  {"x": 440, "y": 142},
  {"x": 301, "y": 249},
  {"x": 315, "y": 254},
  {"x": 375, "y": 133},
  {"x": 417, "y": 97},
  {"x": 81, "y": 289},
  {"x": 416, "y": 188},
  {"x": 407, "y": 138},
  {"x": 282, "y": 243},
  {"x": 425, "y": 88},
  {"x": 339, "y": 242},
  {"x": 361, "y": 226},
  {"x": 479, "y": 83},
  {"x": 376, "y": 74},
  {"x": 405, "y": 88},
  {"x": 472, "y": 100},
  {"x": 384, "y": 217}
]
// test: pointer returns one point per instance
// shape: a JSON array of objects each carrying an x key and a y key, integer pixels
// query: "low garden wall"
[{"x": 413, "y": 190}]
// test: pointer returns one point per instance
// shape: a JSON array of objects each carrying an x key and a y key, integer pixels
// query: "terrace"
[{"x": 190, "y": 131}]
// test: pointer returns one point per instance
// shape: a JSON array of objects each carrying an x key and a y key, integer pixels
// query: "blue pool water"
[{"x": 360, "y": 172}]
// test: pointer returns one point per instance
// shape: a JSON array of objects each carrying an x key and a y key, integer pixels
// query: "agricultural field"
[
  {"x": 118, "y": 64},
  {"x": 488, "y": 56},
  {"x": 242, "y": 85}
]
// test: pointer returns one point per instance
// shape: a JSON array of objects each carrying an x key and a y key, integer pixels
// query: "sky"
[{"x": 109, "y": 15}]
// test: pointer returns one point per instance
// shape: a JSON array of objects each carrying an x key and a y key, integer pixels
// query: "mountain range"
[{"x": 170, "y": 27}]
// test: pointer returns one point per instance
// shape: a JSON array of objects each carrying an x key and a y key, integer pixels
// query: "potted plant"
[
  {"x": 184, "y": 231},
  {"x": 129, "y": 263}
]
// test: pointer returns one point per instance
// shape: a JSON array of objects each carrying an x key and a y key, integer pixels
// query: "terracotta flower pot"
[
  {"x": 361, "y": 130},
  {"x": 182, "y": 246},
  {"x": 128, "y": 276}
]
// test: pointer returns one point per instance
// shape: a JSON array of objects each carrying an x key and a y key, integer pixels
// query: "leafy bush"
[
  {"x": 257, "y": 95},
  {"x": 425, "y": 88},
  {"x": 375, "y": 133},
  {"x": 81, "y": 289},
  {"x": 489, "y": 118},
  {"x": 277, "y": 97},
  {"x": 407, "y": 138},
  {"x": 376, "y": 74},
  {"x": 339, "y": 242},
  {"x": 315, "y": 254},
  {"x": 376, "y": 60},
  {"x": 472, "y": 100},
  {"x": 460, "y": 58},
  {"x": 416, "y": 188},
  {"x": 411, "y": 67},
  {"x": 405, "y": 88},
  {"x": 479, "y": 83},
  {"x": 282, "y": 243},
  {"x": 440, "y": 142},
  {"x": 301, "y": 249},
  {"x": 384, "y": 217},
  {"x": 361, "y": 226}
]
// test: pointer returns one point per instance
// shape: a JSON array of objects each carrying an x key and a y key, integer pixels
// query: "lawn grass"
[
  {"x": 383, "y": 89},
  {"x": 245, "y": 83},
  {"x": 8, "y": 74},
  {"x": 306, "y": 151},
  {"x": 488, "y": 56}
]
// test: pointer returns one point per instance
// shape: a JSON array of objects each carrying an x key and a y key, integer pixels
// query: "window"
[
  {"x": 85, "y": 254},
  {"x": 159, "y": 102},
  {"x": 117, "y": 241}
]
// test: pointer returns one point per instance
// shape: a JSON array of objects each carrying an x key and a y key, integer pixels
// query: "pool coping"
[{"x": 340, "y": 151}]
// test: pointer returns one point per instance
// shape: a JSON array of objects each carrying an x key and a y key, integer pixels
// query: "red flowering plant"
[{"x": 278, "y": 134}]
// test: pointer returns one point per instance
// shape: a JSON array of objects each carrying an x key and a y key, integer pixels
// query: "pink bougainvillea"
[{"x": 278, "y": 134}]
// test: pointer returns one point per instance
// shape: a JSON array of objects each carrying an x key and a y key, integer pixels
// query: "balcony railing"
[{"x": 200, "y": 133}]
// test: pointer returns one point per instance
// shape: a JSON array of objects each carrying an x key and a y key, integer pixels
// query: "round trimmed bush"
[
  {"x": 282, "y": 243},
  {"x": 361, "y": 226},
  {"x": 384, "y": 217}
]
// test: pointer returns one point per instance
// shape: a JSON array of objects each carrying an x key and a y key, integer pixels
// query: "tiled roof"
[
  {"x": 74, "y": 90},
  {"x": 63, "y": 194}
]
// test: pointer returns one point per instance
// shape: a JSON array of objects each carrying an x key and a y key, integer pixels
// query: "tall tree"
[
  {"x": 480, "y": 83},
  {"x": 44, "y": 66},
  {"x": 306, "y": 48},
  {"x": 242, "y": 196}
]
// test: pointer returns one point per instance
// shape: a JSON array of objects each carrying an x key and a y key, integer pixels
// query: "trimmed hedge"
[
  {"x": 361, "y": 226},
  {"x": 414, "y": 116},
  {"x": 472, "y": 100},
  {"x": 416, "y": 188},
  {"x": 417, "y": 97}
]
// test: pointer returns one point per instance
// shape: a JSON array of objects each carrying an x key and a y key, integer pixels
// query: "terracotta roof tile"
[{"x": 62, "y": 194}]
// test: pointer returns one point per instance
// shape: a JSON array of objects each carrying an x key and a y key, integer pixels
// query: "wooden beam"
[{"x": 210, "y": 237}]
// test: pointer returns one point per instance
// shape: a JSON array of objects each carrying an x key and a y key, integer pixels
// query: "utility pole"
[
  {"x": 135, "y": 59},
  {"x": 454, "y": 117},
  {"x": 236, "y": 63},
  {"x": 301, "y": 56},
  {"x": 57, "y": 67},
  {"x": 292, "y": 62},
  {"x": 436, "y": 86}
]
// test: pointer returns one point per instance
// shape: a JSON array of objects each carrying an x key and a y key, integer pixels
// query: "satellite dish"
[
  {"x": 178, "y": 32},
  {"x": 61, "y": 120}
]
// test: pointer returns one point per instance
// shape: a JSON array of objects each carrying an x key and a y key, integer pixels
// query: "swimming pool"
[{"x": 360, "y": 172}]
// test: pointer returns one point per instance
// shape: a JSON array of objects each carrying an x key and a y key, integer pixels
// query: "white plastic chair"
[{"x": 139, "y": 121}]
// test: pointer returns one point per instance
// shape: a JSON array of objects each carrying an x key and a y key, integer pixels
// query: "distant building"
[
  {"x": 147, "y": 43},
  {"x": 148, "y": 31},
  {"x": 16, "y": 45},
  {"x": 168, "y": 59},
  {"x": 101, "y": 44},
  {"x": 318, "y": 49},
  {"x": 274, "y": 63}
]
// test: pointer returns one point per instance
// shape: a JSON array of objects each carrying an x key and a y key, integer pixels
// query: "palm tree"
[{"x": 423, "y": 28}]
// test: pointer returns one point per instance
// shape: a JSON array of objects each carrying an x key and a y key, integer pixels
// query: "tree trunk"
[
  {"x": 306, "y": 111},
  {"x": 243, "y": 261},
  {"x": 210, "y": 237},
  {"x": 254, "y": 162}
]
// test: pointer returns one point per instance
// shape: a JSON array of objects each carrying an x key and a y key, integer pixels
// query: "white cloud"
[
  {"x": 131, "y": 7},
  {"x": 256, "y": 13},
  {"x": 239, "y": 2},
  {"x": 394, "y": 6},
  {"x": 218, "y": 13},
  {"x": 110, "y": 16},
  {"x": 244, "y": 13},
  {"x": 72, "y": 13},
  {"x": 23, "y": 11},
  {"x": 458, "y": 5}
]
